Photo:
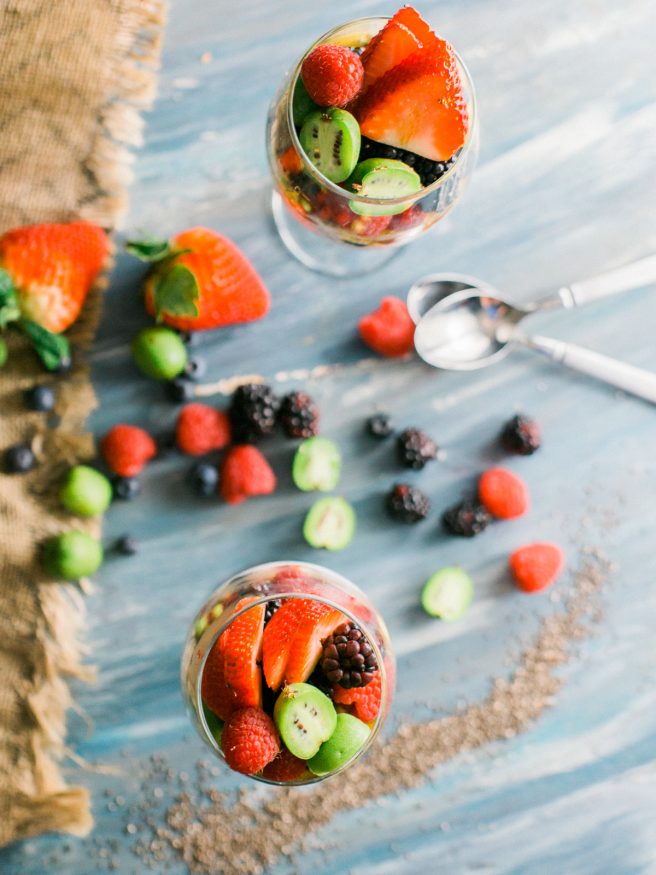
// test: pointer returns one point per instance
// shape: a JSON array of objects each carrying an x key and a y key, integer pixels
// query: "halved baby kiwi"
[
  {"x": 383, "y": 178},
  {"x": 347, "y": 739},
  {"x": 330, "y": 523},
  {"x": 317, "y": 465},
  {"x": 331, "y": 140},
  {"x": 447, "y": 594},
  {"x": 305, "y": 718}
]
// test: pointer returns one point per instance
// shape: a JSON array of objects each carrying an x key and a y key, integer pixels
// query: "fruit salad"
[
  {"x": 288, "y": 673},
  {"x": 374, "y": 135}
]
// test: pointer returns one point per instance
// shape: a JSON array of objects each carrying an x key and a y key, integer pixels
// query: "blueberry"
[
  {"x": 126, "y": 488},
  {"x": 204, "y": 478},
  {"x": 19, "y": 459},
  {"x": 40, "y": 398},
  {"x": 195, "y": 369},
  {"x": 180, "y": 390},
  {"x": 380, "y": 425},
  {"x": 127, "y": 545}
]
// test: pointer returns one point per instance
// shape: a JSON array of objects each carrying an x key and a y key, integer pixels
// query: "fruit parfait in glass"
[
  {"x": 287, "y": 672},
  {"x": 372, "y": 138}
]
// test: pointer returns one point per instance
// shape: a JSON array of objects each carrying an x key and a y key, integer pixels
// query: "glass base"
[{"x": 321, "y": 254}]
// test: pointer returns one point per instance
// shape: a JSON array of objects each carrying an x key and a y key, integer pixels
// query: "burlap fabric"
[{"x": 74, "y": 75}]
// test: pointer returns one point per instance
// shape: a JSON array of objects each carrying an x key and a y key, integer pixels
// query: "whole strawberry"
[
  {"x": 389, "y": 330},
  {"x": 200, "y": 280},
  {"x": 127, "y": 448},
  {"x": 53, "y": 268},
  {"x": 245, "y": 473},
  {"x": 332, "y": 75},
  {"x": 250, "y": 741}
]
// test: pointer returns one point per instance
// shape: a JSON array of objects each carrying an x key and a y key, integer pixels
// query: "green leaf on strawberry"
[
  {"x": 149, "y": 249},
  {"x": 176, "y": 292},
  {"x": 9, "y": 311},
  {"x": 52, "y": 349}
]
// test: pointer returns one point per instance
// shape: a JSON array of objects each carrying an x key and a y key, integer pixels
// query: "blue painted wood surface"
[{"x": 565, "y": 188}]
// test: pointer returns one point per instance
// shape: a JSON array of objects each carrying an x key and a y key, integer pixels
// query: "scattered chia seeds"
[{"x": 247, "y": 835}]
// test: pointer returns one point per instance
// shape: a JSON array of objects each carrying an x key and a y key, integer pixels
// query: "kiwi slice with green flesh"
[
  {"x": 329, "y": 524},
  {"x": 383, "y": 178},
  {"x": 331, "y": 140},
  {"x": 317, "y": 465},
  {"x": 305, "y": 718},
  {"x": 302, "y": 103},
  {"x": 447, "y": 594},
  {"x": 347, "y": 739}
]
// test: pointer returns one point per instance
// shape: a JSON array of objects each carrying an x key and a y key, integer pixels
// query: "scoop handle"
[
  {"x": 629, "y": 276},
  {"x": 627, "y": 377}
]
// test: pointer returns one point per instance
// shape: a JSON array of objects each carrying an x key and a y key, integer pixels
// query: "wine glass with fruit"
[
  {"x": 372, "y": 138},
  {"x": 288, "y": 673}
]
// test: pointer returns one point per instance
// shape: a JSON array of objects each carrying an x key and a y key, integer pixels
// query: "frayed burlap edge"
[{"x": 42, "y": 623}]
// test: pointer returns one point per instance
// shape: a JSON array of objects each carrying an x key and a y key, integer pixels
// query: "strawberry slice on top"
[
  {"x": 319, "y": 621},
  {"x": 420, "y": 29},
  {"x": 391, "y": 45},
  {"x": 242, "y": 648},
  {"x": 418, "y": 105}
]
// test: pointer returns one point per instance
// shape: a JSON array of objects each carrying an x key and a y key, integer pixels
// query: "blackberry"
[
  {"x": 271, "y": 607},
  {"x": 19, "y": 459},
  {"x": 347, "y": 657},
  {"x": 407, "y": 504},
  {"x": 40, "y": 398},
  {"x": 204, "y": 479},
  {"x": 253, "y": 412},
  {"x": 467, "y": 518},
  {"x": 380, "y": 425},
  {"x": 428, "y": 170},
  {"x": 299, "y": 415},
  {"x": 179, "y": 390},
  {"x": 521, "y": 435},
  {"x": 127, "y": 545},
  {"x": 415, "y": 448},
  {"x": 126, "y": 488}
]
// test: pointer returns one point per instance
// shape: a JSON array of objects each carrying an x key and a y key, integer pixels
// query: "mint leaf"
[
  {"x": 9, "y": 310},
  {"x": 176, "y": 292},
  {"x": 53, "y": 349},
  {"x": 149, "y": 249}
]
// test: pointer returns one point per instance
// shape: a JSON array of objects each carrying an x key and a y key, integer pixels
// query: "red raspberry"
[
  {"x": 286, "y": 767},
  {"x": 503, "y": 493},
  {"x": 201, "y": 429},
  {"x": 389, "y": 330},
  {"x": 365, "y": 700},
  {"x": 245, "y": 472},
  {"x": 249, "y": 741},
  {"x": 536, "y": 566},
  {"x": 126, "y": 449},
  {"x": 332, "y": 75}
]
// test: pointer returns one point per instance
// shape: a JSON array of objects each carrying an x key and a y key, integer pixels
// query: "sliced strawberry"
[
  {"x": 216, "y": 694},
  {"x": 418, "y": 105},
  {"x": 393, "y": 44},
  {"x": 317, "y": 623},
  {"x": 421, "y": 30},
  {"x": 278, "y": 636},
  {"x": 242, "y": 647},
  {"x": 364, "y": 701}
]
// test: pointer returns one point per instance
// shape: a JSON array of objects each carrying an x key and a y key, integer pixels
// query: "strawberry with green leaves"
[
  {"x": 46, "y": 272},
  {"x": 199, "y": 280}
]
